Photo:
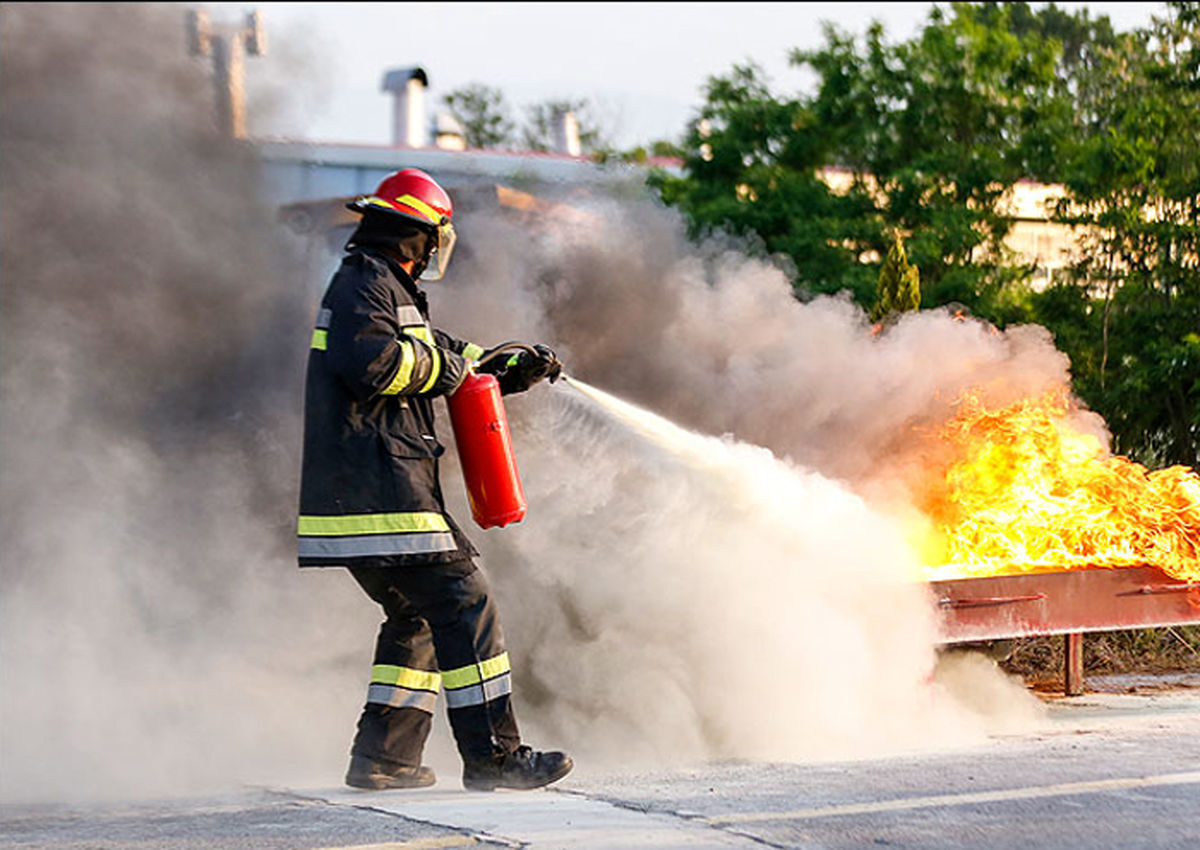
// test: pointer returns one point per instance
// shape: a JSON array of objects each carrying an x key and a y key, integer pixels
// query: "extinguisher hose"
[{"x": 504, "y": 349}]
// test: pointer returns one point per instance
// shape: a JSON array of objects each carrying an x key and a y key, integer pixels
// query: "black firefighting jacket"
[{"x": 369, "y": 490}]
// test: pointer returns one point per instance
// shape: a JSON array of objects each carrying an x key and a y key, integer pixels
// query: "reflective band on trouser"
[
  {"x": 479, "y": 694},
  {"x": 403, "y": 687},
  {"x": 395, "y": 697},
  {"x": 371, "y": 535},
  {"x": 471, "y": 351},
  {"x": 408, "y": 360},
  {"x": 479, "y": 683},
  {"x": 406, "y": 677}
]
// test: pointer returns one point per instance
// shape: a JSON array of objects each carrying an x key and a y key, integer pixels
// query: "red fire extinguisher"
[{"x": 485, "y": 450}]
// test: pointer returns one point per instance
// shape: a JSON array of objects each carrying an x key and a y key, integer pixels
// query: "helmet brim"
[{"x": 362, "y": 206}]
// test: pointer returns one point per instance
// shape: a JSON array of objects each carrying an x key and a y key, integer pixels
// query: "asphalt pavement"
[{"x": 1117, "y": 768}]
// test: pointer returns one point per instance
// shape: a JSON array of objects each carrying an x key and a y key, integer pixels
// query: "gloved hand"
[{"x": 524, "y": 369}]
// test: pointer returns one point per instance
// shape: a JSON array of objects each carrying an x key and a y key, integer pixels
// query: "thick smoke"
[
  {"x": 731, "y": 602},
  {"x": 155, "y": 635}
]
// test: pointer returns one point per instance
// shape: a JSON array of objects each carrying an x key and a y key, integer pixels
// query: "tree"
[
  {"x": 928, "y": 136},
  {"x": 542, "y": 118},
  {"x": 483, "y": 113},
  {"x": 1130, "y": 164},
  {"x": 899, "y": 289},
  {"x": 752, "y": 165}
]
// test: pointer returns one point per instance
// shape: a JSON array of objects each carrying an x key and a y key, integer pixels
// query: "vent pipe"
[
  {"x": 566, "y": 133},
  {"x": 227, "y": 45},
  {"x": 448, "y": 133},
  {"x": 407, "y": 86}
]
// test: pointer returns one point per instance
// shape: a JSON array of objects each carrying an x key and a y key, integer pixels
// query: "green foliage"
[
  {"x": 640, "y": 154},
  {"x": 483, "y": 113},
  {"x": 752, "y": 163},
  {"x": 925, "y": 136},
  {"x": 541, "y": 118},
  {"x": 899, "y": 288},
  {"x": 929, "y": 136},
  {"x": 1131, "y": 164}
]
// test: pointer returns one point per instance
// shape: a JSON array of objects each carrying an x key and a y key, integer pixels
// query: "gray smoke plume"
[
  {"x": 714, "y": 339},
  {"x": 155, "y": 635},
  {"x": 734, "y": 603}
]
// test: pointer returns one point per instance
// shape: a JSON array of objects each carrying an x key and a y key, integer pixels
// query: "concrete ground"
[{"x": 1118, "y": 767}]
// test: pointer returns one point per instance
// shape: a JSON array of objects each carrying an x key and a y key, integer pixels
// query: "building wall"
[{"x": 296, "y": 172}]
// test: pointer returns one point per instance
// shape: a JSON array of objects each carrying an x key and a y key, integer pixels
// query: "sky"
[{"x": 642, "y": 65}]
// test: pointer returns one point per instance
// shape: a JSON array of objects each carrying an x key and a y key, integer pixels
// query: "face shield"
[{"x": 439, "y": 259}]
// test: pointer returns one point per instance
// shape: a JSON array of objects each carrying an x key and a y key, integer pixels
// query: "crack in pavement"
[
  {"x": 476, "y": 836},
  {"x": 688, "y": 817}
]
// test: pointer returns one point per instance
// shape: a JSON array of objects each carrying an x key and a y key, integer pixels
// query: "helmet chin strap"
[{"x": 420, "y": 265}]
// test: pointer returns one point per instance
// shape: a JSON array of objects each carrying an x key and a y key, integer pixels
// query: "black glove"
[{"x": 524, "y": 369}]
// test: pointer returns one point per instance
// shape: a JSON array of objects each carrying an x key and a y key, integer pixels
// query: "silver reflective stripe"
[
  {"x": 324, "y": 317},
  {"x": 377, "y": 544},
  {"x": 397, "y": 697},
  {"x": 479, "y": 694},
  {"x": 409, "y": 315}
]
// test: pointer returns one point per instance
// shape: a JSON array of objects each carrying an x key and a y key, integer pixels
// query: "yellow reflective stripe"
[
  {"x": 319, "y": 339},
  {"x": 408, "y": 360},
  {"x": 420, "y": 332},
  {"x": 405, "y": 677},
  {"x": 340, "y": 526},
  {"x": 471, "y": 351},
  {"x": 462, "y": 677},
  {"x": 495, "y": 666},
  {"x": 379, "y": 202},
  {"x": 423, "y": 208},
  {"x": 436, "y": 371}
]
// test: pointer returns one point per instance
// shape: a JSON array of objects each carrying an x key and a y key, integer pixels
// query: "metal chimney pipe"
[
  {"x": 229, "y": 57},
  {"x": 227, "y": 45},
  {"x": 407, "y": 86},
  {"x": 566, "y": 133}
]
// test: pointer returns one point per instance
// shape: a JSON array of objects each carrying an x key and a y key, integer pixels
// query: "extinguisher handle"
[
  {"x": 504, "y": 348},
  {"x": 547, "y": 363}
]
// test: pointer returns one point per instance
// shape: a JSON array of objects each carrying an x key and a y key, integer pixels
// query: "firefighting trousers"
[{"x": 441, "y": 632}]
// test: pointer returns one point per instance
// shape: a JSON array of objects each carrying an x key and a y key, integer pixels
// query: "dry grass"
[{"x": 1161, "y": 650}]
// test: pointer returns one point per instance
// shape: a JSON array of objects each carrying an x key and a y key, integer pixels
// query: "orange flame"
[{"x": 1028, "y": 492}]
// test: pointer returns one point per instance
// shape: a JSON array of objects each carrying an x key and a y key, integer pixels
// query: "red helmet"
[{"x": 414, "y": 196}]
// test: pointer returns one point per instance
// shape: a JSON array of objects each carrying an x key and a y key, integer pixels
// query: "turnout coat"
[{"x": 369, "y": 490}]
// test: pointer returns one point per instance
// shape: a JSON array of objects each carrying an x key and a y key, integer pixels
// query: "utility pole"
[{"x": 228, "y": 45}]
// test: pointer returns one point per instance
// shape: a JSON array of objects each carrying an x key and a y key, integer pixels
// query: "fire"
[{"x": 1028, "y": 492}]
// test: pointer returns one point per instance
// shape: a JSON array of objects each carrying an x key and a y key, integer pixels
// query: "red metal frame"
[
  {"x": 1067, "y": 603},
  {"x": 1094, "y": 600}
]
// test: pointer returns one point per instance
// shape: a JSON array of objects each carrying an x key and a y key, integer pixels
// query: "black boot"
[
  {"x": 364, "y": 773},
  {"x": 523, "y": 768}
]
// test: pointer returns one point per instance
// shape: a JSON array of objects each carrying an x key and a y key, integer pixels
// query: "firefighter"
[{"x": 370, "y": 499}]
